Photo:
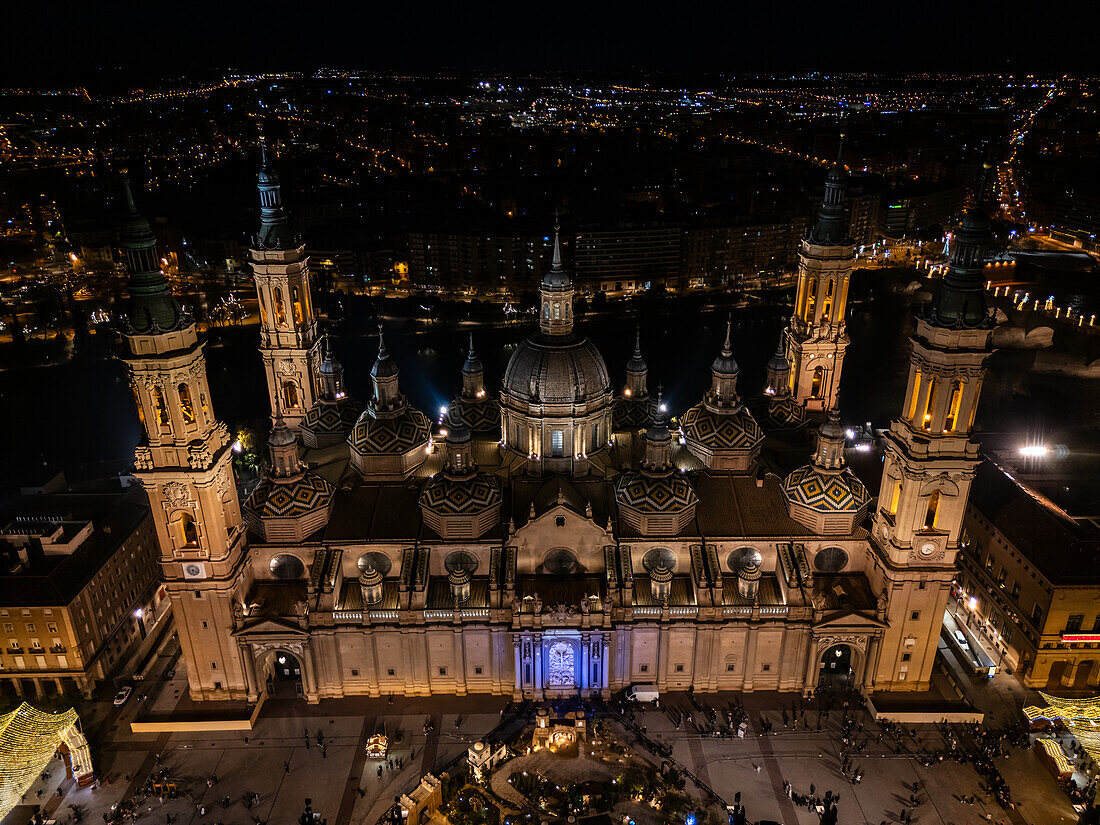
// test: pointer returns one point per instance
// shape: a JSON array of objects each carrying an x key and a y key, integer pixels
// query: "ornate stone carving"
[
  {"x": 850, "y": 639},
  {"x": 176, "y": 494}
]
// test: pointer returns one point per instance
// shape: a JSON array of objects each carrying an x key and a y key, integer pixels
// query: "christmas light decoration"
[
  {"x": 1080, "y": 716},
  {"x": 29, "y": 738}
]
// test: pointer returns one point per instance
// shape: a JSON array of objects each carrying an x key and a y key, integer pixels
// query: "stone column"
[
  {"x": 586, "y": 667},
  {"x": 536, "y": 654},
  {"x": 1094, "y": 674},
  {"x": 517, "y": 645},
  {"x": 871, "y": 663},
  {"x": 60, "y": 685},
  {"x": 750, "y": 659},
  {"x": 605, "y": 663},
  {"x": 249, "y": 662},
  {"x": 17, "y": 683},
  {"x": 37, "y": 685},
  {"x": 1068, "y": 675},
  {"x": 310, "y": 676},
  {"x": 809, "y": 681}
]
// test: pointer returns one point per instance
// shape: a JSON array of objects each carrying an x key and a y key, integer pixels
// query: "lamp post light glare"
[{"x": 1034, "y": 451}]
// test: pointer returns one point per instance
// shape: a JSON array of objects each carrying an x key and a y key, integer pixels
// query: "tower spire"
[
  {"x": 152, "y": 307},
  {"x": 555, "y": 261},
  {"x": 960, "y": 300},
  {"x": 556, "y": 293},
  {"x": 274, "y": 224}
]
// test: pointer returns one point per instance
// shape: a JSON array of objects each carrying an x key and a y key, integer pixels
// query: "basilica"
[{"x": 559, "y": 534}]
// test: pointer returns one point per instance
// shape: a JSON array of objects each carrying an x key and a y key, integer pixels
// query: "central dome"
[{"x": 556, "y": 369}]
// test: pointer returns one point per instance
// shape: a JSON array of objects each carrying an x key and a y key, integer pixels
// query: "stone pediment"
[
  {"x": 848, "y": 620},
  {"x": 270, "y": 630}
]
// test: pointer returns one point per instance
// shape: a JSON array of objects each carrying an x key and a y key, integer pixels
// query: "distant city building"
[
  {"x": 718, "y": 256},
  {"x": 482, "y": 263},
  {"x": 907, "y": 210},
  {"x": 79, "y": 589},
  {"x": 627, "y": 260}
]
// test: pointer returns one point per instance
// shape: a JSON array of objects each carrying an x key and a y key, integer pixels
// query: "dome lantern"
[
  {"x": 556, "y": 294},
  {"x": 660, "y": 582},
  {"x": 636, "y": 370},
  {"x": 370, "y": 585}
]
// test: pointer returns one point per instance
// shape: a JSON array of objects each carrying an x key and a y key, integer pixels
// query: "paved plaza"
[{"x": 344, "y": 785}]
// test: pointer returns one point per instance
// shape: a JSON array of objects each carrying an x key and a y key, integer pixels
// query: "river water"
[{"x": 79, "y": 415}]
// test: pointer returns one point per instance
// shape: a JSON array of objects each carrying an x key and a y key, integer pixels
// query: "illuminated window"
[
  {"x": 818, "y": 385},
  {"x": 263, "y": 307},
  {"x": 953, "y": 407},
  {"x": 290, "y": 395},
  {"x": 186, "y": 407},
  {"x": 811, "y": 300},
  {"x": 137, "y": 403},
  {"x": 159, "y": 406},
  {"x": 557, "y": 441},
  {"x": 557, "y": 312},
  {"x": 187, "y": 532},
  {"x": 933, "y": 510},
  {"x": 930, "y": 405},
  {"x": 546, "y": 310},
  {"x": 916, "y": 393},
  {"x": 296, "y": 300},
  {"x": 894, "y": 498},
  {"x": 827, "y": 306},
  {"x": 280, "y": 310}
]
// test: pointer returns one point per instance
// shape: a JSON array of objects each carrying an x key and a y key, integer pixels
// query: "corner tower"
[
  {"x": 930, "y": 462},
  {"x": 288, "y": 328},
  {"x": 818, "y": 339},
  {"x": 184, "y": 463}
]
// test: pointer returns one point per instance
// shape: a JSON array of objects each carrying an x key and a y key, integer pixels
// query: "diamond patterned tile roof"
[
  {"x": 785, "y": 413},
  {"x": 482, "y": 415},
  {"x": 672, "y": 493},
  {"x": 461, "y": 496},
  {"x": 736, "y": 431},
  {"x": 289, "y": 497},
  {"x": 332, "y": 417},
  {"x": 634, "y": 413},
  {"x": 826, "y": 492},
  {"x": 390, "y": 436}
]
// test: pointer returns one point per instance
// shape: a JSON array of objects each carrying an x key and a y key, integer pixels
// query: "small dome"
[
  {"x": 459, "y": 576},
  {"x": 725, "y": 363},
  {"x": 736, "y": 431},
  {"x": 832, "y": 428},
  {"x": 749, "y": 571},
  {"x": 384, "y": 365},
  {"x": 837, "y": 173},
  {"x": 330, "y": 366},
  {"x": 652, "y": 495},
  {"x": 281, "y": 434},
  {"x": 387, "y": 436},
  {"x": 825, "y": 492},
  {"x": 778, "y": 362},
  {"x": 370, "y": 577},
  {"x": 556, "y": 369}
]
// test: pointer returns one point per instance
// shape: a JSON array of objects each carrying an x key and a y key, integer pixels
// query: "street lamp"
[{"x": 139, "y": 615}]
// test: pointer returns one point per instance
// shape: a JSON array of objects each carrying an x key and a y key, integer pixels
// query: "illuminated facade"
[
  {"x": 542, "y": 549},
  {"x": 818, "y": 337}
]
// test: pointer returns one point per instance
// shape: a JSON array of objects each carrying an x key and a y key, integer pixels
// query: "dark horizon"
[{"x": 78, "y": 44}]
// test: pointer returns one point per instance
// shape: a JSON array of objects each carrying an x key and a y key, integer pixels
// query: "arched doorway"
[
  {"x": 835, "y": 667},
  {"x": 283, "y": 674}
]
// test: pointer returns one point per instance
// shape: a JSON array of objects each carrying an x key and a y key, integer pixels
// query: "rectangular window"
[
  {"x": 1037, "y": 616},
  {"x": 679, "y": 668},
  {"x": 354, "y": 671},
  {"x": 9, "y": 627},
  {"x": 557, "y": 443},
  {"x": 643, "y": 668},
  {"x": 204, "y": 624},
  {"x": 478, "y": 670},
  {"x": 1015, "y": 589},
  {"x": 213, "y": 665},
  {"x": 391, "y": 672},
  {"x": 442, "y": 671},
  {"x": 905, "y": 657},
  {"x": 914, "y": 616},
  {"x": 30, "y": 627},
  {"x": 1096, "y": 625},
  {"x": 51, "y": 627},
  {"x": 217, "y": 686},
  {"x": 730, "y": 668},
  {"x": 766, "y": 668},
  {"x": 1073, "y": 623}
]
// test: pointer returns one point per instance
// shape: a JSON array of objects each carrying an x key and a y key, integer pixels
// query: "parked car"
[
  {"x": 122, "y": 696},
  {"x": 643, "y": 693},
  {"x": 961, "y": 639}
]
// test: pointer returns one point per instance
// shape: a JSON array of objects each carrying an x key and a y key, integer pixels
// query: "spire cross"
[
  {"x": 382, "y": 353},
  {"x": 471, "y": 353},
  {"x": 840, "y": 150},
  {"x": 638, "y": 339},
  {"x": 727, "y": 348},
  {"x": 555, "y": 262}
]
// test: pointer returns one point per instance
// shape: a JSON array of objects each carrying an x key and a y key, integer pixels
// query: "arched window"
[
  {"x": 894, "y": 499},
  {"x": 296, "y": 300},
  {"x": 187, "y": 532},
  {"x": 930, "y": 406},
  {"x": 280, "y": 310},
  {"x": 952, "y": 420},
  {"x": 827, "y": 307},
  {"x": 933, "y": 510},
  {"x": 811, "y": 300},
  {"x": 137, "y": 403},
  {"x": 557, "y": 311},
  {"x": 916, "y": 393},
  {"x": 159, "y": 406},
  {"x": 186, "y": 407},
  {"x": 263, "y": 308},
  {"x": 546, "y": 310},
  {"x": 818, "y": 385},
  {"x": 287, "y": 567},
  {"x": 202, "y": 403},
  {"x": 290, "y": 395}
]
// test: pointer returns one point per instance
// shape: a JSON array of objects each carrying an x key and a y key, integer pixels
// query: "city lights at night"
[{"x": 436, "y": 414}]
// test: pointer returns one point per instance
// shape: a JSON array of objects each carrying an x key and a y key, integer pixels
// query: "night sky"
[{"x": 68, "y": 42}]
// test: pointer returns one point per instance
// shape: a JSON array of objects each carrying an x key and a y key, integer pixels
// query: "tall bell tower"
[
  {"x": 930, "y": 462},
  {"x": 289, "y": 343},
  {"x": 184, "y": 462},
  {"x": 818, "y": 338}
]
